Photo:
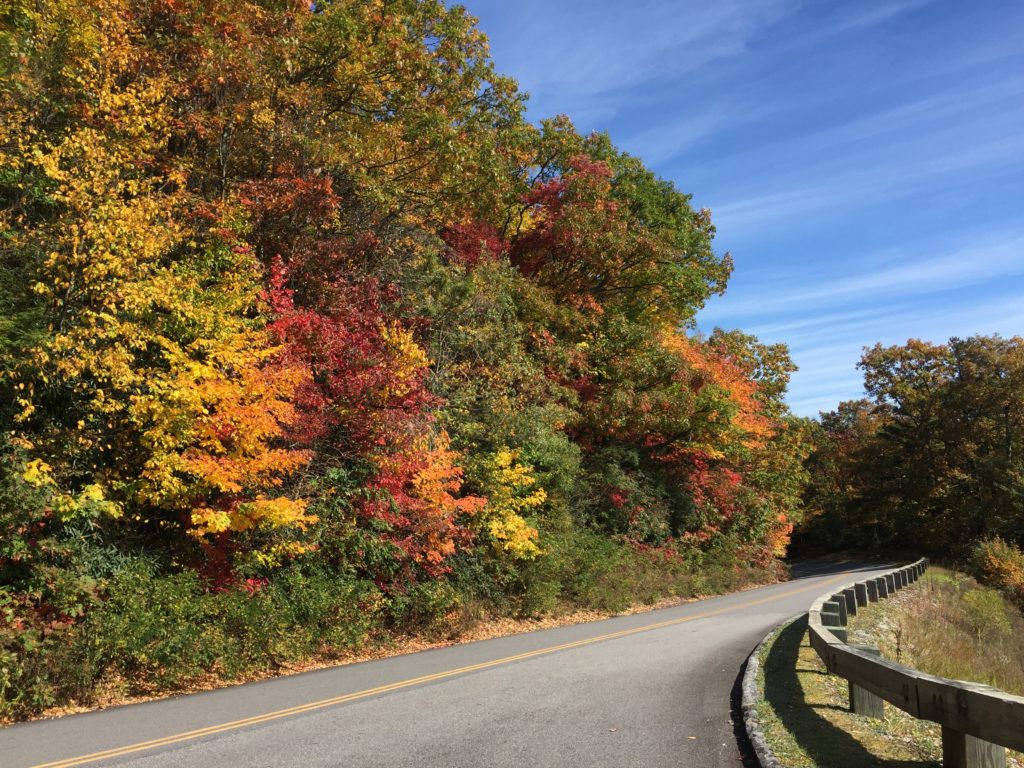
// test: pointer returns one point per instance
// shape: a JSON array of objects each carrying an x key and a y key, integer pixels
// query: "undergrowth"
[{"x": 144, "y": 631}]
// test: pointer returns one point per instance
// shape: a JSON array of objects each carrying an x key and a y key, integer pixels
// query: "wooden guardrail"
[{"x": 978, "y": 721}]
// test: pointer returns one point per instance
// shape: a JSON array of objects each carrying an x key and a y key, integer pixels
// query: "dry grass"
[{"x": 950, "y": 626}]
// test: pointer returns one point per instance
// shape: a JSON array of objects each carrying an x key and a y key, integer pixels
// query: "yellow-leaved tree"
[
  {"x": 153, "y": 382},
  {"x": 512, "y": 495}
]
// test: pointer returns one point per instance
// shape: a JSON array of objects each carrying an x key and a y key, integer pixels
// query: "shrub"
[
  {"x": 425, "y": 605},
  {"x": 986, "y": 611},
  {"x": 42, "y": 594},
  {"x": 155, "y": 631},
  {"x": 583, "y": 569},
  {"x": 1000, "y": 564},
  {"x": 162, "y": 630}
]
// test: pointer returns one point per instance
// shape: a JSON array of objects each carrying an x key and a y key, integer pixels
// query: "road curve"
[{"x": 652, "y": 689}]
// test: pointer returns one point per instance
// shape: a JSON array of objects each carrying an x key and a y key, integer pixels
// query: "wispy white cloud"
[
  {"x": 611, "y": 46},
  {"x": 905, "y": 275},
  {"x": 585, "y": 52},
  {"x": 872, "y": 181},
  {"x": 935, "y": 116},
  {"x": 806, "y": 325},
  {"x": 665, "y": 141},
  {"x": 861, "y": 17},
  {"x": 622, "y": 48},
  {"x": 829, "y": 323}
]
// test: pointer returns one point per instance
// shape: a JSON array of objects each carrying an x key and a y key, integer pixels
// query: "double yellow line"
[{"x": 303, "y": 708}]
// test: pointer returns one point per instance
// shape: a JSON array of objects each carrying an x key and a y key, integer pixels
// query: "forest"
[
  {"x": 309, "y": 340},
  {"x": 931, "y": 462}
]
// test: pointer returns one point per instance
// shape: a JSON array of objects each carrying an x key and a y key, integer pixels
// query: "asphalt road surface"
[{"x": 653, "y": 689}]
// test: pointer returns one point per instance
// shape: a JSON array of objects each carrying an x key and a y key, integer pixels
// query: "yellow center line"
[{"x": 303, "y": 708}]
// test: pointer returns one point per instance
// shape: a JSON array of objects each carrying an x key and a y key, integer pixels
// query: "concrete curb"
[{"x": 751, "y": 698}]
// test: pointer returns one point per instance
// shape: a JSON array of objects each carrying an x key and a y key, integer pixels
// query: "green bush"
[
  {"x": 156, "y": 631},
  {"x": 43, "y": 595},
  {"x": 29, "y": 654},
  {"x": 583, "y": 569},
  {"x": 424, "y": 606}
]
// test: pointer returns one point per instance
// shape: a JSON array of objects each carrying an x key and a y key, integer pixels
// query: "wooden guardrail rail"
[{"x": 978, "y": 721}]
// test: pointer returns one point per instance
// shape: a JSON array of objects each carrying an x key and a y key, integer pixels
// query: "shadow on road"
[{"x": 827, "y": 745}]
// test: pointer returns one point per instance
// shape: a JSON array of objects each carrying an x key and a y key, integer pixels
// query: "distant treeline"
[{"x": 933, "y": 462}]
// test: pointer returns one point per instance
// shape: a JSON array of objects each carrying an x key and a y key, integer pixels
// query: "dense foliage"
[
  {"x": 305, "y": 332},
  {"x": 934, "y": 462}
]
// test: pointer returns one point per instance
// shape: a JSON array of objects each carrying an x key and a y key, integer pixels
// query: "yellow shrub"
[
  {"x": 1001, "y": 564},
  {"x": 510, "y": 496}
]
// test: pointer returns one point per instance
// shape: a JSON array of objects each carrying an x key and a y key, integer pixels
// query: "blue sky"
[{"x": 863, "y": 161}]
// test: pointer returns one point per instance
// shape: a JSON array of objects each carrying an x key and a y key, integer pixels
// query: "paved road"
[{"x": 654, "y": 689}]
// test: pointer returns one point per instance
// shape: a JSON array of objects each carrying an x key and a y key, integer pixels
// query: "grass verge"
[
  {"x": 946, "y": 624},
  {"x": 805, "y": 715},
  {"x": 951, "y": 626}
]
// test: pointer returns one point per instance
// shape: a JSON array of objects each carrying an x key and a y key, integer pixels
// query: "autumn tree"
[
  {"x": 934, "y": 460},
  {"x": 296, "y": 306}
]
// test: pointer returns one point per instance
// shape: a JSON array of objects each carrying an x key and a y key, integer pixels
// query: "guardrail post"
[
  {"x": 851, "y": 601},
  {"x": 830, "y": 615},
  {"x": 960, "y": 750},
  {"x": 864, "y": 702},
  {"x": 890, "y": 583},
  {"x": 905, "y": 575},
  {"x": 872, "y": 585},
  {"x": 861, "y": 591},
  {"x": 831, "y": 618},
  {"x": 840, "y": 602},
  {"x": 883, "y": 587}
]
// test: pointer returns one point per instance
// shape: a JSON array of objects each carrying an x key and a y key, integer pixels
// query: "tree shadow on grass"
[{"x": 826, "y": 744}]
